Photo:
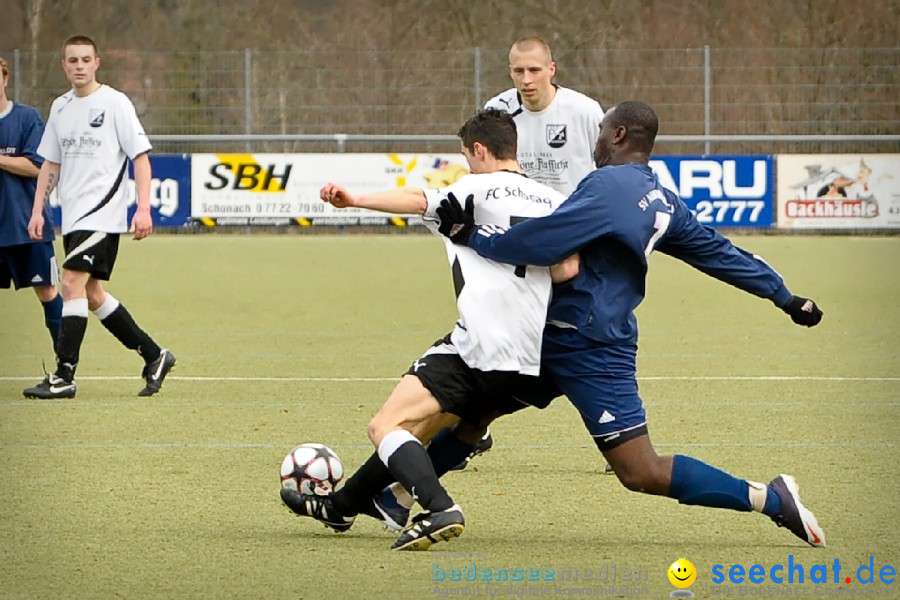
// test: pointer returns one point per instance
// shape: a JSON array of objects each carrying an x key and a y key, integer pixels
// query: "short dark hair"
[
  {"x": 639, "y": 120},
  {"x": 528, "y": 42},
  {"x": 493, "y": 128},
  {"x": 79, "y": 40}
]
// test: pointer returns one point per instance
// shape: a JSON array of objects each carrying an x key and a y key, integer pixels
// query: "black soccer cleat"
[
  {"x": 794, "y": 515},
  {"x": 51, "y": 388},
  {"x": 483, "y": 445},
  {"x": 155, "y": 372},
  {"x": 319, "y": 508},
  {"x": 430, "y": 528}
]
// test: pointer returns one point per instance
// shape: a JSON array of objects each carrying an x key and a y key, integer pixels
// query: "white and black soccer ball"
[{"x": 311, "y": 469}]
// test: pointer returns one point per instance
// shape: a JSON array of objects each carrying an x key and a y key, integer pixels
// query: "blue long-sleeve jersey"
[
  {"x": 614, "y": 219},
  {"x": 20, "y": 134}
]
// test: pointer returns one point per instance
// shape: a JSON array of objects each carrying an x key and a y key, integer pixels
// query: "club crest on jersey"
[
  {"x": 556, "y": 136},
  {"x": 96, "y": 117}
]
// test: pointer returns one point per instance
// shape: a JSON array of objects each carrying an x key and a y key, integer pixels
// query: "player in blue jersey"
[
  {"x": 25, "y": 262},
  {"x": 615, "y": 218}
]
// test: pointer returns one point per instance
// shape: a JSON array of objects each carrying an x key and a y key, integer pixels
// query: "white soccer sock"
[
  {"x": 392, "y": 441},
  {"x": 758, "y": 493},
  {"x": 107, "y": 308},
  {"x": 77, "y": 307}
]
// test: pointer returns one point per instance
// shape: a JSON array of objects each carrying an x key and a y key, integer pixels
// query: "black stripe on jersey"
[
  {"x": 109, "y": 194},
  {"x": 519, "y": 110},
  {"x": 458, "y": 280},
  {"x": 69, "y": 97},
  {"x": 520, "y": 269}
]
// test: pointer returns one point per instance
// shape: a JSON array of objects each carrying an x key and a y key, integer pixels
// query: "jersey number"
[{"x": 660, "y": 225}]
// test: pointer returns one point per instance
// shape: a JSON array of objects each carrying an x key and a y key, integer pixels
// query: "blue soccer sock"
[
  {"x": 695, "y": 482},
  {"x": 53, "y": 317},
  {"x": 446, "y": 451},
  {"x": 773, "y": 503}
]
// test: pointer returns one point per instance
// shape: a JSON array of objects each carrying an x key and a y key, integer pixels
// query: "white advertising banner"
[
  {"x": 283, "y": 189},
  {"x": 838, "y": 191}
]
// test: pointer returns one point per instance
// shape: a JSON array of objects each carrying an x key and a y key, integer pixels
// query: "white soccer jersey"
[
  {"x": 92, "y": 139},
  {"x": 502, "y": 308},
  {"x": 556, "y": 145}
]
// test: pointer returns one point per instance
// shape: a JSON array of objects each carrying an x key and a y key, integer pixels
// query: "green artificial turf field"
[{"x": 289, "y": 339}]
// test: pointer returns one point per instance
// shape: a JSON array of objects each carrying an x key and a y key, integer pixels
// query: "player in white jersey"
[
  {"x": 558, "y": 127},
  {"x": 91, "y": 134},
  {"x": 494, "y": 347}
]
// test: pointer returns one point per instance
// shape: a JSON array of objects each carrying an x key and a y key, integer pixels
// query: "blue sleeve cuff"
[{"x": 782, "y": 296}]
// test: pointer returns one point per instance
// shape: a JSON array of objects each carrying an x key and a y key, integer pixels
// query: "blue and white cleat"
[
  {"x": 794, "y": 515},
  {"x": 384, "y": 507}
]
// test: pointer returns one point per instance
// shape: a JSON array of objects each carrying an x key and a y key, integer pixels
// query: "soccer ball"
[{"x": 311, "y": 469}]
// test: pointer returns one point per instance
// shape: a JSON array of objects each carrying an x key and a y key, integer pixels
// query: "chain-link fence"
[{"x": 697, "y": 92}]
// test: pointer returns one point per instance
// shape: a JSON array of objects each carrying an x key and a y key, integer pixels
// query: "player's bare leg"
[
  {"x": 409, "y": 404},
  {"x": 690, "y": 481}
]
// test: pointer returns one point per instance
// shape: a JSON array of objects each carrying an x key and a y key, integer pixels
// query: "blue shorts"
[
  {"x": 599, "y": 380},
  {"x": 28, "y": 265}
]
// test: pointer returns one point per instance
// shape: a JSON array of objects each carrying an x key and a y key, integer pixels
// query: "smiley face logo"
[{"x": 682, "y": 573}]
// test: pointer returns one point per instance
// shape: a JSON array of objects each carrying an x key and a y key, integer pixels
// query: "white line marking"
[
  {"x": 270, "y": 446},
  {"x": 364, "y": 379},
  {"x": 236, "y": 379}
]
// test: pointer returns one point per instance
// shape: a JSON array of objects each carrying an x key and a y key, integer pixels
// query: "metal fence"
[{"x": 708, "y": 99}]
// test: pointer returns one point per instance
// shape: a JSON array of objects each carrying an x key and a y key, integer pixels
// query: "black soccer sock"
[
  {"x": 53, "y": 317},
  {"x": 118, "y": 321},
  {"x": 71, "y": 334},
  {"x": 408, "y": 460},
  {"x": 362, "y": 486}
]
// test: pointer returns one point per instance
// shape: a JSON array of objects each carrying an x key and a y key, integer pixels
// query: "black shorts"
[
  {"x": 91, "y": 252},
  {"x": 28, "y": 265},
  {"x": 472, "y": 394}
]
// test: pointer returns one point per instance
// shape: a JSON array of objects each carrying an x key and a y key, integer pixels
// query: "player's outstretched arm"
[
  {"x": 543, "y": 241},
  {"x": 398, "y": 201},
  {"x": 712, "y": 253}
]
